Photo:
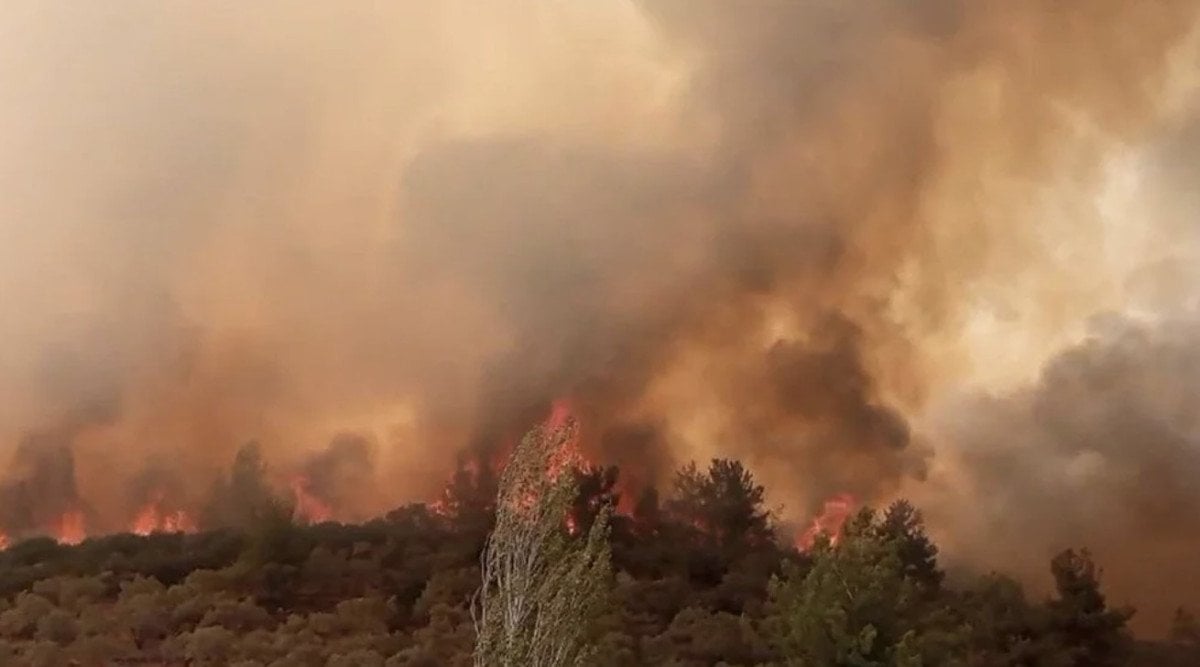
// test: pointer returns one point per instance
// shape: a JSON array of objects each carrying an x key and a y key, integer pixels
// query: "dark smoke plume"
[
  {"x": 1103, "y": 450},
  {"x": 777, "y": 231}
]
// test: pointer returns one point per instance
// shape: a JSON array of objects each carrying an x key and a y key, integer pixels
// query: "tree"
[
  {"x": 723, "y": 503},
  {"x": 469, "y": 498},
  {"x": 903, "y": 524},
  {"x": 1000, "y": 628},
  {"x": 541, "y": 588},
  {"x": 852, "y": 607},
  {"x": 242, "y": 498},
  {"x": 596, "y": 490},
  {"x": 647, "y": 514},
  {"x": 702, "y": 637},
  {"x": 1095, "y": 635},
  {"x": 1185, "y": 628}
]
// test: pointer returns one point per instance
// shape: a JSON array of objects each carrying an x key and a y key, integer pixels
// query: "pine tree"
[
  {"x": 903, "y": 524},
  {"x": 724, "y": 503},
  {"x": 1095, "y": 634}
]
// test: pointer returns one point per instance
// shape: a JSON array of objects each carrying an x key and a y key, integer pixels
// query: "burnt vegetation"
[{"x": 702, "y": 575}]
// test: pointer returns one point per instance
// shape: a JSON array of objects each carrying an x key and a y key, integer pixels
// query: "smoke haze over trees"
[
  {"x": 940, "y": 249},
  {"x": 686, "y": 582}
]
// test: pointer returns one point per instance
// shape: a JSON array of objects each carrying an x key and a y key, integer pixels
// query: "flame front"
[
  {"x": 151, "y": 518},
  {"x": 146, "y": 521},
  {"x": 309, "y": 508},
  {"x": 70, "y": 527},
  {"x": 829, "y": 522}
]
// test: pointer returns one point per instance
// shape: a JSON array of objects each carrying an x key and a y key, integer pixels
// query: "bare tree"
[{"x": 542, "y": 587}]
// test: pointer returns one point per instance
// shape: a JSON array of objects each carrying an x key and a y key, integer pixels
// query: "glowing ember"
[
  {"x": 69, "y": 528},
  {"x": 572, "y": 525},
  {"x": 309, "y": 508},
  {"x": 830, "y": 521},
  {"x": 3, "y": 541}
]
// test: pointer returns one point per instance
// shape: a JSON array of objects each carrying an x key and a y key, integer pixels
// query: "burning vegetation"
[
  {"x": 338, "y": 259},
  {"x": 700, "y": 576},
  {"x": 318, "y": 492}
]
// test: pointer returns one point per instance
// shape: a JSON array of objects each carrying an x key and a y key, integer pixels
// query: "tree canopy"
[{"x": 692, "y": 575}]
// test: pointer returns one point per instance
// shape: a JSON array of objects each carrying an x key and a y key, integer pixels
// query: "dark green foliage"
[
  {"x": 723, "y": 504},
  {"x": 396, "y": 591},
  {"x": 902, "y": 525},
  {"x": 853, "y": 606},
  {"x": 1094, "y": 634}
]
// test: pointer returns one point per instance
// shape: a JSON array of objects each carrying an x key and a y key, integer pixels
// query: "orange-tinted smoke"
[{"x": 771, "y": 231}]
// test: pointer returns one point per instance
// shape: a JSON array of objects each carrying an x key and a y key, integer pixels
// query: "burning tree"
[{"x": 541, "y": 587}]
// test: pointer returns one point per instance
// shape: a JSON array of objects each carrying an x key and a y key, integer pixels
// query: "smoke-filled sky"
[{"x": 944, "y": 248}]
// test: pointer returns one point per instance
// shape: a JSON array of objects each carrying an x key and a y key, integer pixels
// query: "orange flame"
[
  {"x": 567, "y": 456},
  {"x": 70, "y": 528},
  {"x": 830, "y": 521},
  {"x": 309, "y": 508},
  {"x": 560, "y": 412},
  {"x": 152, "y": 519},
  {"x": 146, "y": 521},
  {"x": 564, "y": 458},
  {"x": 3, "y": 540}
]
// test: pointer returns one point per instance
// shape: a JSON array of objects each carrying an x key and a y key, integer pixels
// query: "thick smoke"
[
  {"x": 776, "y": 231},
  {"x": 1103, "y": 450}
]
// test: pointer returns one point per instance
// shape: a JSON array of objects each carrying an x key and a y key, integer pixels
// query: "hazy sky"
[{"x": 942, "y": 248}]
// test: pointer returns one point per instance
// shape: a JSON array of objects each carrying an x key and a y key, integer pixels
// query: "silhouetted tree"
[
  {"x": 902, "y": 524},
  {"x": 724, "y": 503},
  {"x": 1185, "y": 628},
  {"x": 596, "y": 491},
  {"x": 1095, "y": 635},
  {"x": 243, "y": 498},
  {"x": 469, "y": 498},
  {"x": 647, "y": 514}
]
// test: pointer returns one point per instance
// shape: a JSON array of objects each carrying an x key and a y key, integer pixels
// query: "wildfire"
[
  {"x": 830, "y": 521},
  {"x": 69, "y": 528},
  {"x": 567, "y": 456},
  {"x": 309, "y": 508},
  {"x": 152, "y": 519},
  {"x": 3, "y": 541},
  {"x": 564, "y": 458},
  {"x": 439, "y": 507},
  {"x": 560, "y": 412}
]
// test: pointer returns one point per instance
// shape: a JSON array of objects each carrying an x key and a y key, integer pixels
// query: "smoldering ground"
[{"x": 776, "y": 231}]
